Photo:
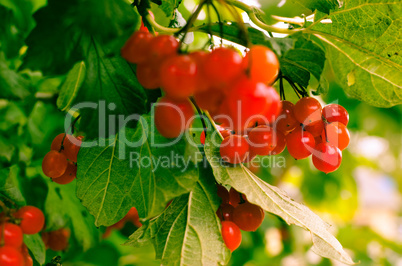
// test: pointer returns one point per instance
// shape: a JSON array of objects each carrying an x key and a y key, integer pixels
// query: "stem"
[
  {"x": 220, "y": 21},
  {"x": 211, "y": 121},
  {"x": 204, "y": 125},
  {"x": 251, "y": 13},
  {"x": 190, "y": 21},
  {"x": 281, "y": 88}
]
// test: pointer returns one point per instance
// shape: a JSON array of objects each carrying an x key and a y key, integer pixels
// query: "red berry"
[
  {"x": 315, "y": 128},
  {"x": 136, "y": 49},
  {"x": 133, "y": 217},
  {"x": 222, "y": 193},
  {"x": 234, "y": 149},
  {"x": 336, "y": 113},
  {"x": 300, "y": 143},
  {"x": 178, "y": 76},
  {"x": 262, "y": 64},
  {"x": 222, "y": 65},
  {"x": 32, "y": 219},
  {"x": 234, "y": 197},
  {"x": 225, "y": 212},
  {"x": 336, "y": 134},
  {"x": 261, "y": 140},
  {"x": 248, "y": 100},
  {"x": 54, "y": 164},
  {"x": 210, "y": 99},
  {"x": 280, "y": 143},
  {"x": 231, "y": 235},
  {"x": 248, "y": 216},
  {"x": 326, "y": 157},
  {"x": 25, "y": 254},
  {"x": 11, "y": 234},
  {"x": 307, "y": 110},
  {"x": 10, "y": 256},
  {"x": 72, "y": 146},
  {"x": 56, "y": 143},
  {"x": 200, "y": 58},
  {"x": 286, "y": 120},
  {"x": 162, "y": 47},
  {"x": 172, "y": 117},
  {"x": 68, "y": 176},
  {"x": 148, "y": 76},
  {"x": 58, "y": 240}
]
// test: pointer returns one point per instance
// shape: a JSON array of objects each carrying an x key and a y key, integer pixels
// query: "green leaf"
[
  {"x": 64, "y": 27},
  {"x": 7, "y": 149},
  {"x": 273, "y": 200},
  {"x": 54, "y": 44},
  {"x": 71, "y": 85},
  {"x": 109, "y": 82},
  {"x": 168, "y": 6},
  {"x": 36, "y": 246},
  {"x": 134, "y": 168},
  {"x": 303, "y": 58},
  {"x": 363, "y": 45},
  {"x": 13, "y": 86},
  {"x": 10, "y": 185},
  {"x": 72, "y": 211},
  {"x": 324, "y": 6},
  {"x": 188, "y": 231}
]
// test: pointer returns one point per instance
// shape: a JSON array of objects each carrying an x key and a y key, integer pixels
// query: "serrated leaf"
[
  {"x": 188, "y": 231},
  {"x": 324, "y": 6},
  {"x": 36, "y": 246},
  {"x": 132, "y": 169},
  {"x": 72, "y": 212},
  {"x": 303, "y": 58},
  {"x": 110, "y": 82},
  {"x": 363, "y": 45},
  {"x": 71, "y": 85},
  {"x": 10, "y": 185},
  {"x": 275, "y": 201}
]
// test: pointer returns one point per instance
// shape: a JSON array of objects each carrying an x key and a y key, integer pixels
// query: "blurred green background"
[{"x": 362, "y": 200}]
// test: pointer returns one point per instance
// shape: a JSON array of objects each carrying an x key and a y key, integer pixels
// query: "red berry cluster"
[
  {"x": 221, "y": 81},
  {"x": 13, "y": 225},
  {"x": 236, "y": 214},
  {"x": 131, "y": 217},
  {"x": 56, "y": 240},
  {"x": 305, "y": 129},
  {"x": 311, "y": 129},
  {"x": 60, "y": 163}
]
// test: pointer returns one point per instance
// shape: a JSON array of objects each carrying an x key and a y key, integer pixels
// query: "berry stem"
[
  {"x": 211, "y": 121},
  {"x": 204, "y": 124},
  {"x": 251, "y": 12}
]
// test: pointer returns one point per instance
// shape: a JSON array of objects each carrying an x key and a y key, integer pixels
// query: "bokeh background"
[{"x": 362, "y": 200}]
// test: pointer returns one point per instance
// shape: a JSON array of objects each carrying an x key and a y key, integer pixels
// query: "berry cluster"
[
  {"x": 313, "y": 130},
  {"x": 222, "y": 81},
  {"x": 131, "y": 217},
  {"x": 60, "y": 163},
  {"x": 236, "y": 214},
  {"x": 13, "y": 225},
  {"x": 56, "y": 240},
  {"x": 304, "y": 128}
]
